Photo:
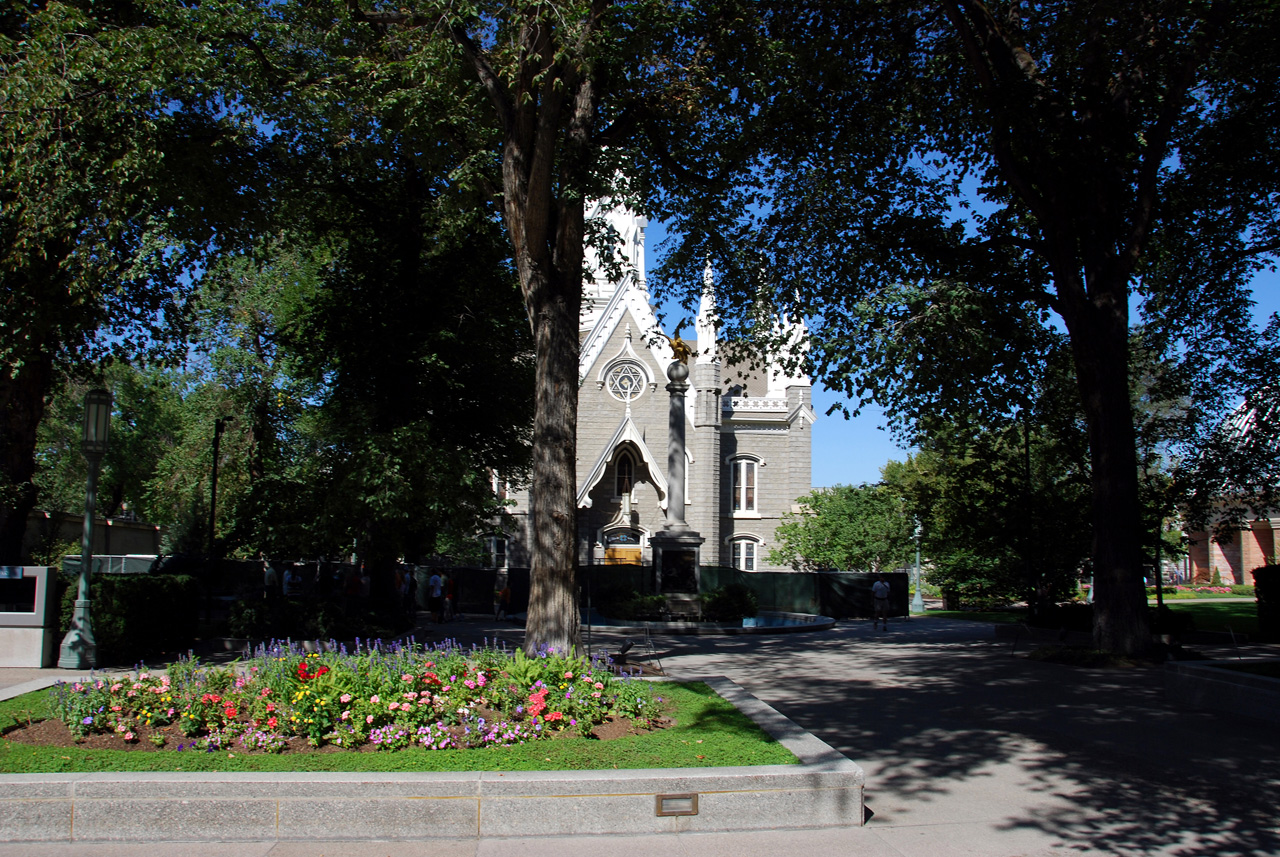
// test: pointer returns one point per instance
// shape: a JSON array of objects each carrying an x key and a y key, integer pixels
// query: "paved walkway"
[{"x": 969, "y": 749}]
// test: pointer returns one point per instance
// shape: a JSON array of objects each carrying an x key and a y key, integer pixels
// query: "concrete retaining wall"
[{"x": 825, "y": 790}]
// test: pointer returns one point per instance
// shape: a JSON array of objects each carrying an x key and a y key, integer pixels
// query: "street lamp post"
[
  {"x": 219, "y": 425},
  {"x": 79, "y": 650},
  {"x": 917, "y": 602}
]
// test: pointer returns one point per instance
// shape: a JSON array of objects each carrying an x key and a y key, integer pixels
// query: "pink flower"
[
  {"x": 128, "y": 736},
  {"x": 596, "y": 694},
  {"x": 598, "y": 685},
  {"x": 368, "y": 718},
  {"x": 568, "y": 675},
  {"x": 345, "y": 715},
  {"x": 271, "y": 722},
  {"x": 393, "y": 706},
  {"x": 345, "y": 698},
  {"x": 374, "y": 699},
  {"x": 406, "y": 677}
]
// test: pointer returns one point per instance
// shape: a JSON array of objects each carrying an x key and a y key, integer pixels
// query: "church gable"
[{"x": 627, "y": 309}]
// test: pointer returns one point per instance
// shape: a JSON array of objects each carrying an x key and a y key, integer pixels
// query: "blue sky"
[{"x": 849, "y": 452}]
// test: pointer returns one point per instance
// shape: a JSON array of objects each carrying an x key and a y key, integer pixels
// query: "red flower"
[{"x": 304, "y": 675}]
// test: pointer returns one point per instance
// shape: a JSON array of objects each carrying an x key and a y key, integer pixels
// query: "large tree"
[
  {"x": 548, "y": 105},
  {"x": 117, "y": 163},
  {"x": 1124, "y": 154}
]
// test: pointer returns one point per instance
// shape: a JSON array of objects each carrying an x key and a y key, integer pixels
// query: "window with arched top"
[
  {"x": 624, "y": 474},
  {"x": 744, "y": 552},
  {"x": 745, "y": 484}
]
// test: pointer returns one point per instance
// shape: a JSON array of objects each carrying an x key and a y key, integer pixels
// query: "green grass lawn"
[
  {"x": 1241, "y": 616},
  {"x": 708, "y": 732}
]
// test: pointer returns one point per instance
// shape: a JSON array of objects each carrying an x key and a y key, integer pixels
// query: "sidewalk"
[{"x": 968, "y": 750}]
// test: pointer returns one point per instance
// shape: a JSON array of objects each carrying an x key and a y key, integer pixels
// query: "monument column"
[
  {"x": 676, "y": 545},
  {"x": 678, "y": 373}
]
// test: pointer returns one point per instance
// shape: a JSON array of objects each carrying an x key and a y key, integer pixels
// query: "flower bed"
[{"x": 383, "y": 698}]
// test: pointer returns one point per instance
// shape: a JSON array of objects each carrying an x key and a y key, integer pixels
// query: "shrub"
[
  {"x": 258, "y": 618},
  {"x": 1072, "y": 617},
  {"x": 626, "y": 603},
  {"x": 730, "y": 603},
  {"x": 135, "y": 616}
]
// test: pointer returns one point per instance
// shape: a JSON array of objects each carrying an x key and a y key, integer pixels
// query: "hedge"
[{"x": 136, "y": 616}]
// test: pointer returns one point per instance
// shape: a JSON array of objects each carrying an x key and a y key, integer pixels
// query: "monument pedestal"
[{"x": 676, "y": 560}]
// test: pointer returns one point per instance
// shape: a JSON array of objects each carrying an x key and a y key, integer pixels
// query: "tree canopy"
[
  {"x": 1124, "y": 157},
  {"x": 846, "y": 528},
  {"x": 119, "y": 168}
]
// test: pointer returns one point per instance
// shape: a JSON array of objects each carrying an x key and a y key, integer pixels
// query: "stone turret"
[{"x": 704, "y": 480}]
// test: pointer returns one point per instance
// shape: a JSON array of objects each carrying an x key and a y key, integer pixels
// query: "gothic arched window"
[{"x": 623, "y": 475}]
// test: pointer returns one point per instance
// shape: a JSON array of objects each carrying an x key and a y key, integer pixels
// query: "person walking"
[
  {"x": 501, "y": 599},
  {"x": 880, "y": 592},
  {"x": 435, "y": 597}
]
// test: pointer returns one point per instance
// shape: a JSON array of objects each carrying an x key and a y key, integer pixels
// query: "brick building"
[
  {"x": 748, "y": 433},
  {"x": 1251, "y": 546},
  {"x": 1247, "y": 435}
]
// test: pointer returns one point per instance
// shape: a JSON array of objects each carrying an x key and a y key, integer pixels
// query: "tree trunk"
[
  {"x": 1099, "y": 332},
  {"x": 548, "y": 115},
  {"x": 22, "y": 401},
  {"x": 553, "y": 611}
]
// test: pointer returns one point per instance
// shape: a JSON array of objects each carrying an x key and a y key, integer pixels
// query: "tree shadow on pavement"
[{"x": 952, "y": 727}]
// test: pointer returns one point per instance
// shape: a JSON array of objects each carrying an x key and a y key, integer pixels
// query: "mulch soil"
[{"x": 54, "y": 733}]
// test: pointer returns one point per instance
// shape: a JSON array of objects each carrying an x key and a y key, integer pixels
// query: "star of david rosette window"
[{"x": 625, "y": 382}]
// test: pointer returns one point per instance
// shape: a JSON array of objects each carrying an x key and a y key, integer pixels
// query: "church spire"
[{"x": 705, "y": 325}]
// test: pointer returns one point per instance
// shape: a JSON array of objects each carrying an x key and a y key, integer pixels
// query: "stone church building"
[{"x": 747, "y": 434}]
